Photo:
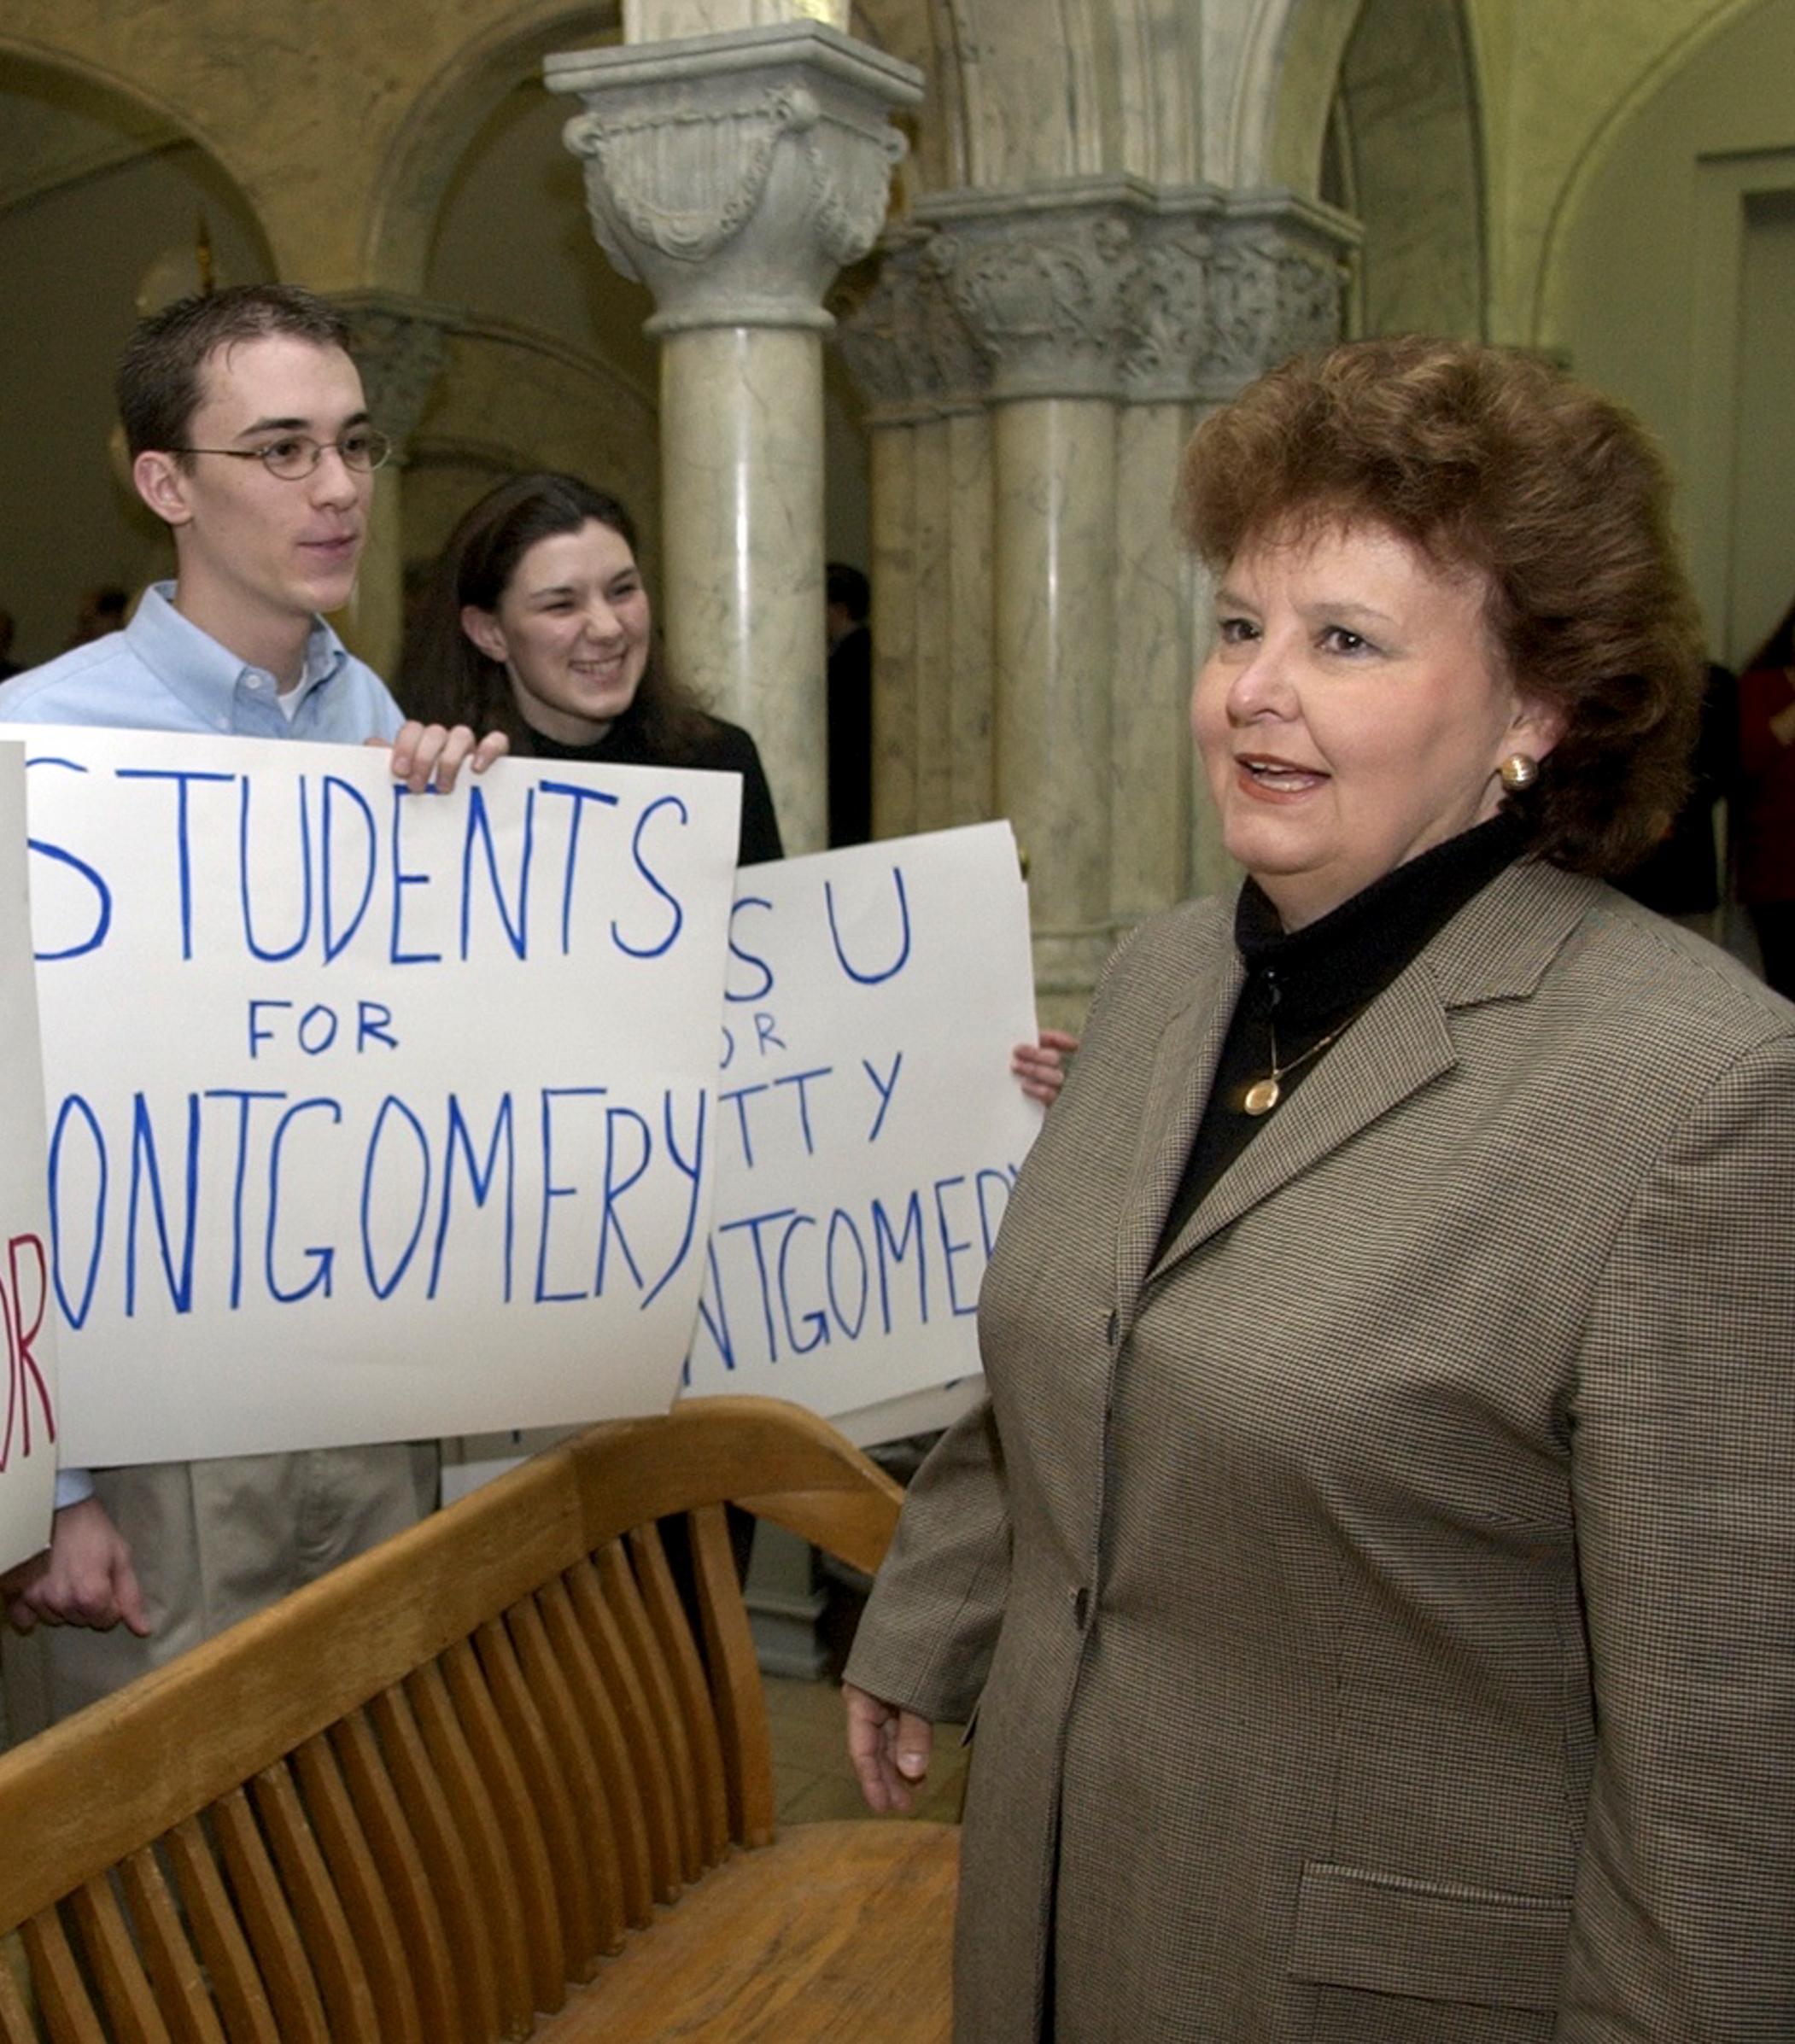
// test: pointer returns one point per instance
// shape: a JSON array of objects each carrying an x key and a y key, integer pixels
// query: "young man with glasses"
[{"x": 250, "y": 437}]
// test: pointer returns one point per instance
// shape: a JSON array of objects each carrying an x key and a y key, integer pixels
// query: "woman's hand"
[
  {"x": 890, "y": 1748},
  {"x": 1041, "y": 1066}
]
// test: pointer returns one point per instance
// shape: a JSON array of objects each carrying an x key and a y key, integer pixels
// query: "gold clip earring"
[{"x": 1518, "y": 771}]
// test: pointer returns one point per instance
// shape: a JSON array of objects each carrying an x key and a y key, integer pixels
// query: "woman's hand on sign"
[
  {"x": 432, "y": 755},
  {"x": 890, "y": 1748},
  {"x": 1041, "y": 1066},
  {"x": 84, "y": 1576}
]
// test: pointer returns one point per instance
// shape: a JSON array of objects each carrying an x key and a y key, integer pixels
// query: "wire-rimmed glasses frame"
[{"x": 295, "y": 456}]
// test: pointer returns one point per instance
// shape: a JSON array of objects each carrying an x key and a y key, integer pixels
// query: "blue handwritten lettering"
[
  {"x": 401, "y": 880},
  {"x": 460, "y": 1137},
  {"x": 664, "y": 943},
  {"x": 871, "y": 976},
  {"x": 392, "y": 1104},
  {"x": 184, "y": 778},
  {"x": 249, "y": 892},
  {"x": 479, "y": 824},
  {"x": 337, "y": 941},
  {"x": 551, "y": 1191},
  {"x": 323, "y": 1259},
  {"x": 579, "y": 797},
  {"x": 739, "y": 952},
  {"x": 885, "y": 1243},
  {"x": 884, "y": 1088},
  {"x": 144, "y": 1167},
  {"x": 102, "y": 893},
  {"x": 61, "y": 1232}
]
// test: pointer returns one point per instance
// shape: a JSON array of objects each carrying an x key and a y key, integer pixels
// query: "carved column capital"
[
  {"x": 1040, "y": 281},
  {"x": 1109, "y": 288},
  {"x": 735, "y": 174},
  {"x": 1276, "y": 273},
  {"x": 906, "y": 342},
  {"x": 401, "y": 346}
]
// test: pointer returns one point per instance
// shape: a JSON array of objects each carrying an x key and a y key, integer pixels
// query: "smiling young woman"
[{"x": 536, "y": 622}]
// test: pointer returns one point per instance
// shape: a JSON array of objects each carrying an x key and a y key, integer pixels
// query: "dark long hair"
[{"x": 443, "y": 676}]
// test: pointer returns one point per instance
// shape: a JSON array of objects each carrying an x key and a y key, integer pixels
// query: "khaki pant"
[{"x": 214, "y": 1541}]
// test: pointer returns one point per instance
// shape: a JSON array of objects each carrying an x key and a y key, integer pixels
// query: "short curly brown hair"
[{"x": 1491, "y": 460}]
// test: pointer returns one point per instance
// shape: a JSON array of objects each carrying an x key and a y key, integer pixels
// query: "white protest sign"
[
  {"x": 868, "y": 1127},
  {"x": 372, "y": 1115},
  {"x": 28, "y": 1406}
]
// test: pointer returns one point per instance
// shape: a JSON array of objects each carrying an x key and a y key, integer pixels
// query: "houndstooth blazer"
[{"x": 1380, "y": 1609}]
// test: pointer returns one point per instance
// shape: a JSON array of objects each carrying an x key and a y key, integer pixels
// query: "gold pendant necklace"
[{"x": 1263, "y": 1094}]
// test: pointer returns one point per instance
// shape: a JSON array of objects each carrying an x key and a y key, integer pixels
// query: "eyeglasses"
[{"x": 295, "y": 455}]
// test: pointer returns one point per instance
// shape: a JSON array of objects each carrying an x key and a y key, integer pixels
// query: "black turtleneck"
[
  {"x": 1307, "y": 983},
  {"x": 720, "y": 748}
]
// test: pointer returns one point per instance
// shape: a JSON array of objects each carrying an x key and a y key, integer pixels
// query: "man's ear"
[
  {"x": 162, "y": 484},
  {"x": 483, "y": 629}
]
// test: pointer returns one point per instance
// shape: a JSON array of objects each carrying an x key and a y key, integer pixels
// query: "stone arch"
[
  {"x": 1669, "y": 279},
  {"x": 1101, "y": 87},
  {"x": 1405, "y": 142},
  {"x": 446, "y": 115},
  {"x": 101, "y": 184},
  {"x": 1600, "y": 145},
  {"x": 75, "y": 85},
  {"x": 1284, "y": 82}
]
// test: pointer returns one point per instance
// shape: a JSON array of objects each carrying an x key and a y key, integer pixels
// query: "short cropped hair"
[
  {"x": 1492, "y": 461},
  {"x": 159, "y": 374}
]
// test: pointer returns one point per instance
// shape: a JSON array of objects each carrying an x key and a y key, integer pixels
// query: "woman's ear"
[
  {"x": 1538, "y": 726},
  {"x": 483, "y": 629}
]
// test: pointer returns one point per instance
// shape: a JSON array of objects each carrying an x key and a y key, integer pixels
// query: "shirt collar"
[{"x": 206, "y": 675}]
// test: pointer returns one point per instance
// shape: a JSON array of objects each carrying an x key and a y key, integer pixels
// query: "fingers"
[
  {"x": 867, "y": 1718},
  {"x": 15, "y": 1586},
  {"x": 128, "y": 1596},
  {"x": 432, "y": 755},
  {"x": 1041, "y": 1065},
  {"x": 913, "y": 1744},
  {"x": 889, "y": 1749},
  {"x": 85, "y": 1577}
]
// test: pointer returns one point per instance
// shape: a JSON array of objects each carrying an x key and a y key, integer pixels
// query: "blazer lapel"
[
  {"x": 1183, "y": 1069},
  {"x": 1399, "y": 1044},
  {"x": 1497, "y": 948}
]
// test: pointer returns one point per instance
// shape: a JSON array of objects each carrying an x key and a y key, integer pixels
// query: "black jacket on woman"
[{"x": 722, "y": 748}]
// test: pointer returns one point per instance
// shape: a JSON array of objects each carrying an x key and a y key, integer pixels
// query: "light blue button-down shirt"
[{"x": 162, "y": 672}]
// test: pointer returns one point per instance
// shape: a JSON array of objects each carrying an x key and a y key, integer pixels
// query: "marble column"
[
  {"x": 1039, "y": 283},
  {"x": 1064, "y": 342},
  {"x": 735, "y": 174},
  {"x": 908, "y": 350},
  {"x": 401, "y": 348}
]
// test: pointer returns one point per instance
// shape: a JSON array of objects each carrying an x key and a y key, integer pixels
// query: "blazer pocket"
[{"x": 1359, "y": 1927}]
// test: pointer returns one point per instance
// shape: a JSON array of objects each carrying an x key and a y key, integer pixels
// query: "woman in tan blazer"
[{"x": 1373, "y": 1572}]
